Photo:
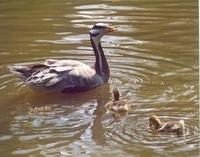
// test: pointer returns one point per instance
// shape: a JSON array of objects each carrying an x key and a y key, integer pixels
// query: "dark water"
[{"x": 153, "y": 60}]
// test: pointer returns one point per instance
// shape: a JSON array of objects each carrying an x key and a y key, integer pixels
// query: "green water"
[{"x": 153, "y": 60}]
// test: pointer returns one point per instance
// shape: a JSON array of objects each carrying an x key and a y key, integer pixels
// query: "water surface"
[{"x": 153, "y": 60}]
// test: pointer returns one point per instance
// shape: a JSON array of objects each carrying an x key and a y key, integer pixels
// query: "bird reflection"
[{"x": 89, "y": 103}]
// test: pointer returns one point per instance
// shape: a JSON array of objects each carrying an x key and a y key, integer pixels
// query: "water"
[{"x": 153, "y": 60}]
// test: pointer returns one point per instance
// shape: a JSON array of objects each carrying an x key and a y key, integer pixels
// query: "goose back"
[{"x": 59, "y": 76}]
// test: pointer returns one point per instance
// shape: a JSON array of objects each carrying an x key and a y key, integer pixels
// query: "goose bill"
[{"x": 112, "y": 28}]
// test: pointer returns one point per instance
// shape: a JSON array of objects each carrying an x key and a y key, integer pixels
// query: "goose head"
[{"x": 100, "y": 29}]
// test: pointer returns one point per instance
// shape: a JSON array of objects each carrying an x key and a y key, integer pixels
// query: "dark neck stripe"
[{"x": 101, "y": 65}]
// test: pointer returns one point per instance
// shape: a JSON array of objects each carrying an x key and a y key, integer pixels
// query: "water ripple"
[
  {"x": 133, "y": 130},
  {"x": 153, "y": 62}
]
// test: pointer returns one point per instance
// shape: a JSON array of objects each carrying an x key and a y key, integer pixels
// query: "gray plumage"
[
  {"x": 68, "y": 75},
  {"x": 58, "y": 75}
]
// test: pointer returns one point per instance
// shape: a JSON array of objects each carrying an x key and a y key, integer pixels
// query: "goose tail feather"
[{"x": 20, "y": 71}]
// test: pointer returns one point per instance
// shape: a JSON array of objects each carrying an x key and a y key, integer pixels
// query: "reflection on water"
[{"x": 153, "y": 60}]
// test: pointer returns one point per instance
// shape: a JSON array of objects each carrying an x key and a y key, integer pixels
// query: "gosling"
[
  {"x": 156, "y": 125},
  {"x": 117, "y": 107}
]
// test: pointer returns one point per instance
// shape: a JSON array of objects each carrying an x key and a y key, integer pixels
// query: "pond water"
[{"x": 153, "y": 58}]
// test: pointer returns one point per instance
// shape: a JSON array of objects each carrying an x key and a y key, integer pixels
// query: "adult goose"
[{"x": 68, "y": 75}]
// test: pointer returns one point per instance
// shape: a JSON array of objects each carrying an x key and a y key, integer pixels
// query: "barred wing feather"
[{"x": 61, "y": 75}]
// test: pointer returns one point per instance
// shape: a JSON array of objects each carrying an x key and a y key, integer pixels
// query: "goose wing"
[{"x": 60, "y": 75}]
